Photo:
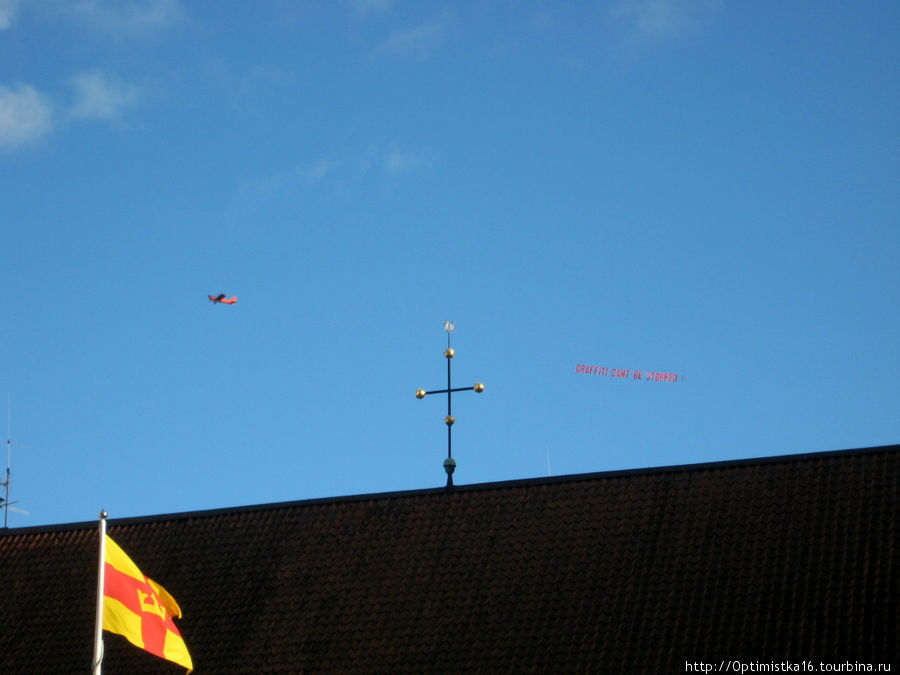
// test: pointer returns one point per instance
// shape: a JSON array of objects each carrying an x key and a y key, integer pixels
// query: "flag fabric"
[{"x": 140, "y": 609}]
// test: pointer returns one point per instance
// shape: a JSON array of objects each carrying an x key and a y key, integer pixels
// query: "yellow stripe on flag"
[{"x": 117, "y": 618}]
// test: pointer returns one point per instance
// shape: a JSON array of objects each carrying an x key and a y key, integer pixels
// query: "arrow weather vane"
[{"x": 449, "y": 463}]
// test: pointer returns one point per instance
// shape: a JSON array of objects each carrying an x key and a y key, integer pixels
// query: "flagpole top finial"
[{"x": 103, "y": 514}]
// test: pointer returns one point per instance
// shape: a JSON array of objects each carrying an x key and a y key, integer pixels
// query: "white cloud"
[
  {"x": 660, "y": 20},
  {"x": 127, "y": 17},
  {"x": 25, "y": 115},
  {"x": 99, "y": 96},
  {"x": 7, "y": 12},
  {"x": 418, "y": 42}
]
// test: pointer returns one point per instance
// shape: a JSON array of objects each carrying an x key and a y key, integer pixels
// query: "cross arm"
[{"x": 478, "y": 388}]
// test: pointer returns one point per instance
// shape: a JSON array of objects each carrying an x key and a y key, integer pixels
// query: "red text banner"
[{"x": 628, "y": 373}]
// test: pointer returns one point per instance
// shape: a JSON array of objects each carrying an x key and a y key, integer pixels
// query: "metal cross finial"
[{"x": 449, "y": 463}]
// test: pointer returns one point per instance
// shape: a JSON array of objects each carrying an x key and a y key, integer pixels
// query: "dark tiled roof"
[{"x": 789, "y": 558}]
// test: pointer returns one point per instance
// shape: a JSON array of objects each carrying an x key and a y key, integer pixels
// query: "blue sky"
[{"x": 706, "y": 188}]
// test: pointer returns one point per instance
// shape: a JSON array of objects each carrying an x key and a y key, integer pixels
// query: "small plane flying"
[{"x": 221, "y": 298}]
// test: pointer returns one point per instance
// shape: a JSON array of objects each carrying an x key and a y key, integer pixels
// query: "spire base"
[{"x": 449, "y": 467}]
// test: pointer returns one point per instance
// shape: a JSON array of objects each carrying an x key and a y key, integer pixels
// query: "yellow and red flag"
[{"x": 140, "y": 609}]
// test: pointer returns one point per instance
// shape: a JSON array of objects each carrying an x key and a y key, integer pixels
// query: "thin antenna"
[
  {"x": 6, "y": 484},
  {"x": 5, "y": 503},
  {"x": 549, "y": 472}
]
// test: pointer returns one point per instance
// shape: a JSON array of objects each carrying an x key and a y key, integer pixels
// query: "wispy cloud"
[
  {"x": 317, "y": 170},
  {"x": 127, "y": 17},
  {"x": 419, "y": 41},
  {"x": 7, "y": 13},
  {"x": 652, "y": 21},
  {"x": 26, "y": 115},
  {"x": 391, "y": 159},
  {"x": 301, "y": 174},
  {"x": 364, "y": 7},
  {"x": 100, "y": 96},
  {"x": 397, "y": 161},
  {"x": 376, "y": 160}
]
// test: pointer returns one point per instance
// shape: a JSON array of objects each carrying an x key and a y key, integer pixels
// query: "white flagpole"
[{"x": 101, "y": 568}]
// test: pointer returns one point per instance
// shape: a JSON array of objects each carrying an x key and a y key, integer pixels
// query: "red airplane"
[{"x": 221, "y": 298}]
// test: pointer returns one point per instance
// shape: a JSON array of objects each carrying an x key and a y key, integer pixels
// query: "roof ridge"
[{"x": 474, "y": 487}]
